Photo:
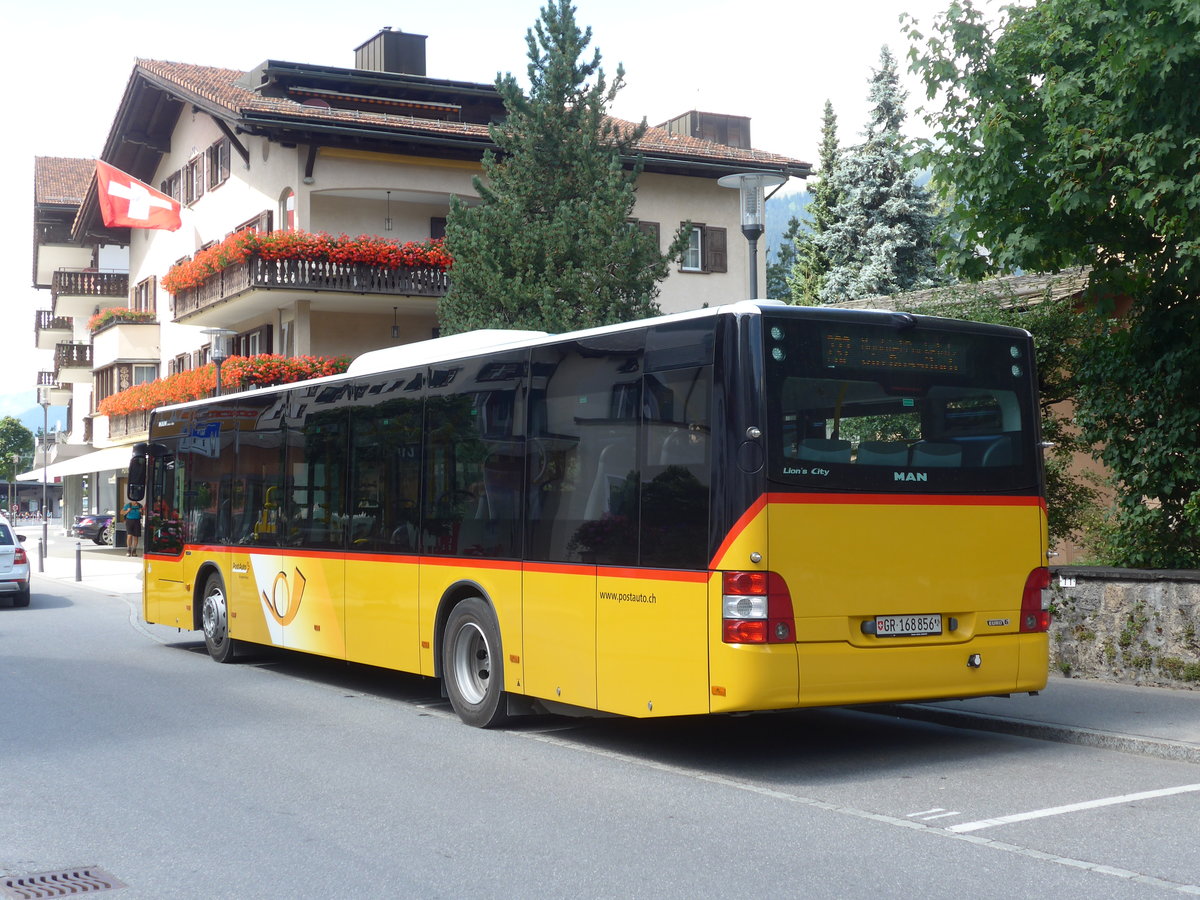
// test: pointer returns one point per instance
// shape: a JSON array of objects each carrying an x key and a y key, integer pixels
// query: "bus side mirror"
[{"x": 136, "y": 488}]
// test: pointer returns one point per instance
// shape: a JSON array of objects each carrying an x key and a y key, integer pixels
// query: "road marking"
[
  {"x": 1073, "y": 807},
  {"x": 938, "y": 812}
]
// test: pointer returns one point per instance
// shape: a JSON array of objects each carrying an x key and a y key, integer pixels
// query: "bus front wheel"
[
  {"x": 214, "y": 617},
  {"x": 472, "y": 666}
]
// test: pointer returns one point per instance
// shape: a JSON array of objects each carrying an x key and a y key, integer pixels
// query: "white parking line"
[
  {"x": 938, "y": 812},
  {"x": 1073, "y": 807}
]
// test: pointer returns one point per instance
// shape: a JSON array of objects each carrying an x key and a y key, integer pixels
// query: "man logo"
[{"x": 910, "y": 476}]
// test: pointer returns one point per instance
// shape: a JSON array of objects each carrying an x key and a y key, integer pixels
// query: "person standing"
[{"x": 132, "y": 512}]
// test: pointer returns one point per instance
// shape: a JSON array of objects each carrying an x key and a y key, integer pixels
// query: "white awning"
[{"x": 106, "y": 460}]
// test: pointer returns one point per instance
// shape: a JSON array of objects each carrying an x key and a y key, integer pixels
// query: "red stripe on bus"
[
  {"x": 738, "y": 527},
  {"x": 692, "y": 576}
]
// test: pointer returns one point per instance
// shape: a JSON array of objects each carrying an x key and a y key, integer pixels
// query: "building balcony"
[
  {"x": 78, "y": 292},
  {"x": 51, "y": 330},
  {"x": 130, "y": 426},
  {"x": 60, "y": 394},
  {"x": 124, "y": 341},
  {"x": 255, "y": 286},
  {"x": 73, "y": 363}
]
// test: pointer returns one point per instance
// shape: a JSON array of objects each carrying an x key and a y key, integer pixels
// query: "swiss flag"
[{"x": 127, "y": 203}]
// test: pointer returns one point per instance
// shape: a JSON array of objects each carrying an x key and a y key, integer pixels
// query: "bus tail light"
[
  {"x": 1035, "y": 601},
  {"x": 756, "y": 608}
]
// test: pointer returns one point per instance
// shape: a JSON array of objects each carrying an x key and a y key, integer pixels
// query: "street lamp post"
[
  {"x": 43, "y": 396},
  {"x": 219, "y": 351},
  {"x": 12, "y": 484},
  {"x": 750, "y": 186}
]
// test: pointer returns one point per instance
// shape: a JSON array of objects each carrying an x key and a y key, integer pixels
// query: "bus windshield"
[{"x": 923, "y": 408}]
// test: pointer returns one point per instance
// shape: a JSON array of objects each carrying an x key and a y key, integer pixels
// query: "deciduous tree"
[{"x": 1067, "y": 133}]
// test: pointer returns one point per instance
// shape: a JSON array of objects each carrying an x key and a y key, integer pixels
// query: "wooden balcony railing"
[
  {"x": 308, "y": 275},
  {"x": 45, "y": 320},
  {"x": 83, "y": 283},
  {"x": 72, "y": 356},
  {"x": 131, "y": 424}
]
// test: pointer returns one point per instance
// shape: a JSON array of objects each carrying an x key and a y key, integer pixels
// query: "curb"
[{"x": 1161, "y": 748}]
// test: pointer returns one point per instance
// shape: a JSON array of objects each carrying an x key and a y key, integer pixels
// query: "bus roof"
[{"x": 486, "y": 340}]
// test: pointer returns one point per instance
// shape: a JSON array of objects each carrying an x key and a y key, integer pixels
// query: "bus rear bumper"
[{"x": 837, "y": 674}]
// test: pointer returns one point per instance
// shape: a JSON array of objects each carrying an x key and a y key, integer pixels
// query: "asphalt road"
[{"x": 125, "y": 748}]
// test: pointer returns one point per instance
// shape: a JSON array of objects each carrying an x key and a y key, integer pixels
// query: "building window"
[
  {"x": 253, "y": 342},
  {"x": 193, "y": 180},
  {"x": 437, "y": 227},
  {"x": 693, "y": 254},
  {"x": 706, "y": 250},
  {"x": 172, "y": 185},
  {"x": 287, "y": 210},
  {"x": 143, "y": 295},
  {"x": 144, "y": 373},
  {"x": 218, "y": 163},
  {"x": 260, "y": 223},
  {"x": 180, "y": 363}
]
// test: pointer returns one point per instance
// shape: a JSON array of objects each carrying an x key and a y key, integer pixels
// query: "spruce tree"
[
  {"x": 810, "y": 262},
  {"x": 551, "y": 245},
  {"x": 881, "y": 239}
]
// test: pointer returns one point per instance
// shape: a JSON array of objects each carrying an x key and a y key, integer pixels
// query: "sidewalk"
[
  {"x": 1152, "y": 721},
  {"x": 102, "y": 568}
]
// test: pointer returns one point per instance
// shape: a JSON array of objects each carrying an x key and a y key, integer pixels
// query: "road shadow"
[{"x": 789, "y": 749}]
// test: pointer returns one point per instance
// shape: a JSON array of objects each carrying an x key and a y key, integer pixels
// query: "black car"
[{"x": 98, "y": 527}]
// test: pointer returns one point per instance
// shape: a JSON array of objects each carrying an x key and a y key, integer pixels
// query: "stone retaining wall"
[{"x": 1130, "y": 625}]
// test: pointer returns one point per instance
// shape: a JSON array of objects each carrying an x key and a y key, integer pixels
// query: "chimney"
[{"x": 392, "y": 51}]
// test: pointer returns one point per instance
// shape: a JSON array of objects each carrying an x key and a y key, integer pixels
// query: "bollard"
[
  {"x": 41, "y": 555},
  {"x": 78, "y": 561}
]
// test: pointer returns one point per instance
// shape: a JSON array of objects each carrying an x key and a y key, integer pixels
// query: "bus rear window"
[{"x": 872, "y": 407}]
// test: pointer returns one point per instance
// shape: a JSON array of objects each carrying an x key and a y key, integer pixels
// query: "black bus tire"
[
  {"x": 214, "y": 619},
  {"x": 472, "y": 665}
]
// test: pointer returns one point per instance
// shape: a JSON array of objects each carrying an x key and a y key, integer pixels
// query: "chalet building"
[{"x": 375, "y": 149}]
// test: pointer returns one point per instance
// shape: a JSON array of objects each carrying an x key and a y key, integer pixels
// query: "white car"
[{"x": 14, "y": 565}]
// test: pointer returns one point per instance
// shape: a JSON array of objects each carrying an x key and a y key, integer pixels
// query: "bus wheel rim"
[
  {"x": 472, "y": 663},
  {"x": 215, "y": 619}
]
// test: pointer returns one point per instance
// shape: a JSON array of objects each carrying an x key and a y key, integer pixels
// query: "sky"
[{"x": 776, "y": 61}]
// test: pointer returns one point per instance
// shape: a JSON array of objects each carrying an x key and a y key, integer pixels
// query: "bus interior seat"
[
  {"x": 833, "y": 450},
  {"x": 883, "y": 453},
  {"x": 936, "y": 454}
]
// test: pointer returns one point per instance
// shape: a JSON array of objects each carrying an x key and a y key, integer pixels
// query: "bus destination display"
[{"x": 880, "y": 350}]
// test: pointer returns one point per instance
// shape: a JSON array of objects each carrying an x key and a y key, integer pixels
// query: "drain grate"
[{"x": 57, "y": 884}]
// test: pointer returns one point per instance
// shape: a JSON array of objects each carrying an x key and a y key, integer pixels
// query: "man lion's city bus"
[{"x": 753, "y": 507}]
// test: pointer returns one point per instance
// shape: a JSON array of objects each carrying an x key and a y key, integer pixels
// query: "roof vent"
[{"x": 392, "y": 51}]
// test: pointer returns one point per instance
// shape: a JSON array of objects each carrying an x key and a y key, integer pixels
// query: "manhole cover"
[{"x": 58, "y": 884}]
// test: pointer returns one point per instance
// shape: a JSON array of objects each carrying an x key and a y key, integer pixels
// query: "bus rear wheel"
[
  {"x": 472, "y": 665},
  {"x": 214, "y": 617}
]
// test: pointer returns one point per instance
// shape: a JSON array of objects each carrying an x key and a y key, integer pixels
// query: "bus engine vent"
[{"x": 58, "y": 884}]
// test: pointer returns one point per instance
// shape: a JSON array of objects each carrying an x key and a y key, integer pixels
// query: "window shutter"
[{"x": 715, "y": 255}]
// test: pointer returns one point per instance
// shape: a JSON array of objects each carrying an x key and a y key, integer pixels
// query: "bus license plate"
[{"x": 907, "y": 626}]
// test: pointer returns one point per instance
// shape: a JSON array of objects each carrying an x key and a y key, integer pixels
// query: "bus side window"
[
  {"x": 676, "y": 475},
  {"x": 474, "y": 458},
  {"x": 582, "y": 485}
]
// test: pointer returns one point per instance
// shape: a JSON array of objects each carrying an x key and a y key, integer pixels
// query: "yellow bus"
[{"x": 751, "y": 507}]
